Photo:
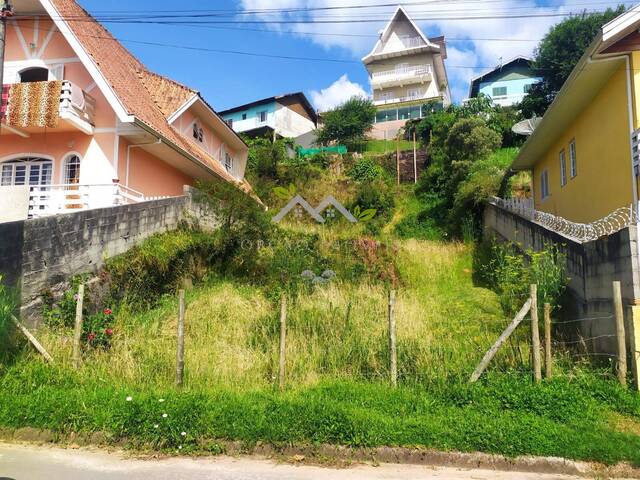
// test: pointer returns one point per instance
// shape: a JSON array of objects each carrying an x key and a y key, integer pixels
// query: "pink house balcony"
[{"x": 27, "y": 108}]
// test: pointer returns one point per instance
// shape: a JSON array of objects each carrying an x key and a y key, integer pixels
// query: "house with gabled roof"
[
  {"x": 508, "y": 83},
  {"x": 84, "y": 124},
  {"x": 406, "y": 70}
]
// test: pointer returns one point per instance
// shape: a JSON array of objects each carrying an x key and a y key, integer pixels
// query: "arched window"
[
  {"x": 72, "y": 170},
  {"x": 36, "y": 74},
  {"x": 26, "y": 171}
]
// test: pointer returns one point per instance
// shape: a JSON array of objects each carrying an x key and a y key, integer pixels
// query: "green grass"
[
  {"x": 506, "y": 415},
  {"x": 337, "y": 367},
  {"x": 387, "y": 146}
]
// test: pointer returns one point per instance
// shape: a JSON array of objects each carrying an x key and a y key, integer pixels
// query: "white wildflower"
[
  {"x": 184, "y": 434},
  {"x": 129, "y": 399},
  {"x": 164, "y": 415}
]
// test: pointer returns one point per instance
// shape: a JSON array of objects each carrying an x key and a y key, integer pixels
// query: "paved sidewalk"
[{"x": 19, "y": 462}]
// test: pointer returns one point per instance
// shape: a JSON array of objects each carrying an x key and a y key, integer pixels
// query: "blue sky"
[{"x": 227, "y": 80}]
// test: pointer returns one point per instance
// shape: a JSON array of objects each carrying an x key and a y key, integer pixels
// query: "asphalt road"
[{"x": 42, "y": 463}]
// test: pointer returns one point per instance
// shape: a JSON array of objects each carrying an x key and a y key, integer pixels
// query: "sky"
[{"x": 331, "y": 71}]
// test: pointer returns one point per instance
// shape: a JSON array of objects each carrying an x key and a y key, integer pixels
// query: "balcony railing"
[
  {"x": 391, "y": 101},
  {"x": 77, "y": 107},
  {"x": 77, "y": 102},
  {"x": 47, "y": 200},
  {"x": 401, "y": 76},
  {"x": 404, "y": 71}
]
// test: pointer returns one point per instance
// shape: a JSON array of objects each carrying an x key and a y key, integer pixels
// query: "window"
[
  {"x": 72, "y": 170},
  {"x": 228, "y": 162},
  {"x": 262, "y": 116},
  {"x": 407, "y": 113},
  {"x": 386, "y": 115},
  {"x": 26, "y": 171},
  {"x": 36, "y": 74},
  {"x": 527, "y": 88},
  {"x": 198, "y": 132},
  {"x": 244, "y": 116},
  {"x": 563, "y": 169},
  {"x": 388, "y": 95},
  {"x": 573, "y": 159},
  {"x": 544, "y": 184},
  {"x": 499, "y": 91},
  {"x": 414, "y": 93},
  {"x": 230, "y": 122}
]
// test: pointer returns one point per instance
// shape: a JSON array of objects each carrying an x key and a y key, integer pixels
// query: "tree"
[
  {"x": 348, "y": 124},
  {"x": 557, "y": 55}
]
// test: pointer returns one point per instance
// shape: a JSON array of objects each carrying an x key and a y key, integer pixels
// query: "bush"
[
  {"x": 366, "y": 170},
  {"x": 510, "y": 272},
  {"x": 348, "y": 124},
  {"x": 470, "y": 139}
]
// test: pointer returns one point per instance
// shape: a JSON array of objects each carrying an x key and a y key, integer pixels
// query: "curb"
[{"x": 342, "y": 456}]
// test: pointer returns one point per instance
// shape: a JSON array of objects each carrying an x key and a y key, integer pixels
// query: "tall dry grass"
[{"x": 444, "y": 326}]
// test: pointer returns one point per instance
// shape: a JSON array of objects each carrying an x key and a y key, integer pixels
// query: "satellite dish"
[{"x": 526, "y": 127}]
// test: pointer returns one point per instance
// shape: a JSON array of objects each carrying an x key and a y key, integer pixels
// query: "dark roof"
[
  {"x": 300, "y": 96},
  {"x": 522, "y": 62}
]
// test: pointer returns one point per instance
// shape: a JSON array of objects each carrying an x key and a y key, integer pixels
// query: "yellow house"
[{"x": 583, "y": 155}]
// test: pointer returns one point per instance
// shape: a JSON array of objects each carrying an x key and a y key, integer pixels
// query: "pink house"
[{"x": 84, "y": 124}]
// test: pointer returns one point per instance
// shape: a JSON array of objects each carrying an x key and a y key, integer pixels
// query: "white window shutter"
[
  {"x": 11, "y": 75},
  {"x": 56, "y": 72}
]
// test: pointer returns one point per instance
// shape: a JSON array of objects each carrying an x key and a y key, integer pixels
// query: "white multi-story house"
[{"x": 406, "y": 70}]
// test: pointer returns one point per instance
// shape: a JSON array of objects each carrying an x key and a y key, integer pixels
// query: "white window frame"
[
  {"x": 563, "y": 168},
  {"x": 259, "y": 119},
  {"x": 228, "y": 162},
  {"x": 414, "y": 93},
  {"x": 573, "y": 158},
  {"x": 495, "y": 95},
  {"x": 65, "y": 165},
  {"x": 27, "y": 161},
  {"x": 544, "y": 184}
]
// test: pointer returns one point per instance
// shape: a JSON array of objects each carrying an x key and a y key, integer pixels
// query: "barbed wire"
[
  {"x": 617, "y": 220},
  {"x": 581, "y": 340}
]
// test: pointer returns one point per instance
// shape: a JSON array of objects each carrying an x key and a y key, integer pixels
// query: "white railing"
[
  {"x": 75, "y": 100},
  {"x": 416, "y": 71},
  {"x": 580, "y": 232},
  {"x": 387, "y": 101},
  {"x": 46, "y": 200}
]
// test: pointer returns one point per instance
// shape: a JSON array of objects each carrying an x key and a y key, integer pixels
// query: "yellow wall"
[{"x": 603, "y": 181}]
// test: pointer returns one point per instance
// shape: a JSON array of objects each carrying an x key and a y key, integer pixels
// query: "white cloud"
[
  {"x": 470, "y": 52},
  {"x": 337, "y": 93}
]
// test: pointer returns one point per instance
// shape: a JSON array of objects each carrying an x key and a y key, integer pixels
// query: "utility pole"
[{"x": 6, "y": 11}]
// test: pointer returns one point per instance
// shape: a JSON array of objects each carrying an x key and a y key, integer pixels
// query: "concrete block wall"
[
  {"x": 591, "y": 267},
  {"x": 44, "y": 253}
]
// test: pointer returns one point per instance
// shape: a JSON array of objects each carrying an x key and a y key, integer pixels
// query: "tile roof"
[{"x": 149, "y": 97}]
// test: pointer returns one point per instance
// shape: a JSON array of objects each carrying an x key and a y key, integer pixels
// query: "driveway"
[{"x": 19, "y": 462}]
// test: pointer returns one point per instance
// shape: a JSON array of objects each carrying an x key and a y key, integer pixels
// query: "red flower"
[
  {"x": 108, "y": 332},
  {"x": 107, "y": 311},
  {"x": 91, "y": 337}
]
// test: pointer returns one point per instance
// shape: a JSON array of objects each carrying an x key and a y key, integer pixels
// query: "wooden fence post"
[
  {"x": 547, "y": 341},
  {"x": 180, "y": 349},
  {"x": 635, "y": 336},
  {"x": 622, "y": 345},
  {"x": 283, "y": 340},
  {"x": 77, "y": 333},
  {"x": 503, "y": 338},
  {"x": 393, "y": 354},
  {"x": 34, "y": 341},
  {"x": 535, "y": 335}
]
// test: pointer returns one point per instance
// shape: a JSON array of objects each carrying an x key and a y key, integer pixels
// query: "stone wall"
[
  {"x": 591, "y": 268},
  {"x": 44, "y": 253}
]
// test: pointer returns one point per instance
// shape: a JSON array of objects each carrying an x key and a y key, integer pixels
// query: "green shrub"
[
  {"x": 470, "y": 139},
  {"x": 510, "y": 272},
  {"x": 366, "y": 170}
]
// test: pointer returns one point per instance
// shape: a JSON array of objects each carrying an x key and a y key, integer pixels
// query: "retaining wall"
[
  {"x": 42, "y": 254},
  {"x": 591, "y": 268}
]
